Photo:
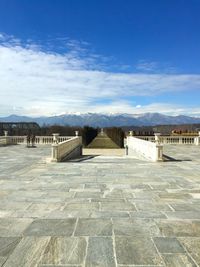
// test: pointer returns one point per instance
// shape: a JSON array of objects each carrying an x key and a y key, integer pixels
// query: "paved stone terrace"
[{"x": 103, "y": 211}]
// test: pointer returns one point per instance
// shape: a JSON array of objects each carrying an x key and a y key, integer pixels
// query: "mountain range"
[{"x": 105, "y": 120}]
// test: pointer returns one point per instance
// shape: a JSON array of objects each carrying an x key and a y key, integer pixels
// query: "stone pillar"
[
  {"x": 130, "y": 133},
  {"x": 55, "y": 138},
  {"x": 76, "y": 133},
  {"x": 54, "y": 154},
  {"x": 159, "y": 152},
  {"x": 197, "y": 140},
  {"x": 159, "y": 148},
  {"x": 157, "y": 138},
  {"x": 6, "y": 138}
]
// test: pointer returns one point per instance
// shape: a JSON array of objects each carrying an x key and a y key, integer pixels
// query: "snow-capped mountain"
[{"x": 105, "y": 120}]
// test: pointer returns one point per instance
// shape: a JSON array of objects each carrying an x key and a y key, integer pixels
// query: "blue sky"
[{"x": 109, "y": 56}]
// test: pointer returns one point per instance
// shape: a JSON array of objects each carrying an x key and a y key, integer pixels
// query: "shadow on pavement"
[
  {"x": 168, "y": 158},
  {"x": 82, "y": 158}
]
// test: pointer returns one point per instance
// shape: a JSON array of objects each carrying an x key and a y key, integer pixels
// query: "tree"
[
  {"x": 116, "y": 134},
  {"x": 88, "y": 134}
]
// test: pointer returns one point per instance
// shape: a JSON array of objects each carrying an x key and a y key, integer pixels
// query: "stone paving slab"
[
  {"x": 110, "y": 214},
  {"x": 178, "y": 260},
  {"x": 135, "y": 227},
  {"x": 179, "y": 228},
  {"x": 65, "y": 250},
  {"x": 28, "y": 252},
  {"x": 90, "y": 206},
  {"x": 100, "y": 252},
  {"x": 105, "y": 210},
  {"x": 168, "y": 245},
  {"x": 7, "y": 246},
  {"x": 51, "y": 227},
  {"x": 121, "y": 206},
  {"x": 93, "y": 227},
  {"x": 13, "y": 227},
  {"x": 184, "y": 215},
  {"x": 136, "y": 250},
  {"x": 192, "y": 245}
]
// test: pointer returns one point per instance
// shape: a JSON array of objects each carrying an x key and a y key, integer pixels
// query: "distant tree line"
[
  {"x": 19, "y": 128},
  {"x": 62, "y": 130},
  {"x": 88, "y": 134},
  {"x": 163, "y": 129},
  {"x": 116, "y": 134}
]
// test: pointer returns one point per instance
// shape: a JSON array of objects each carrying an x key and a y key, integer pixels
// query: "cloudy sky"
[{"x": 105, "y": 56}]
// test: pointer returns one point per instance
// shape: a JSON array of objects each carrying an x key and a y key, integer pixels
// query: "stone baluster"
[
  {"x": 180, "y": 140},
  {"x": 40, "y": 140}
]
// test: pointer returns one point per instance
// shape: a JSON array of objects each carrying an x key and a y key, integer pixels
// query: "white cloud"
[
  {"x": 38, "y": 82},
  {"x": 168, "y": 109},
  {"x": 148, "y": 66},
  {"x": 155, "y": 67},
  {"x": 127, "y": 107}
]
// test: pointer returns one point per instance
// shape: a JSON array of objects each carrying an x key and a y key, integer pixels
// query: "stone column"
[
  {"x": 159, "y": 152},
  {"x": 54, "y": 152},
  {"x": 76, "y": 133},
  {"x": 159, "y": 148},
  {"x": 157, "y": 138},
  {"x": 197, "y": 140},
  {"x": 6, "y": 138},
  {"x": 55, "y": 138}
]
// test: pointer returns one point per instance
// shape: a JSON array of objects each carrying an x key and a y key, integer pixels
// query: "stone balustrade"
[
  {"x": 67, "y": 149},
  {"x": 5, "y": 140},
  {"x": 41, "y": 140},
  {"x": 149, "y": 150},
  {"x": 181, "y": 139},
  {"x": 2, "y": 140}
]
